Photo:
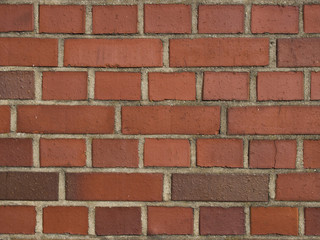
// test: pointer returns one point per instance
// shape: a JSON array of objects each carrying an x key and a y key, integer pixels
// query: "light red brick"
[
  {"x": 315, "y": 86},
  {"x": 311, "y": 18},
  {"x": 311, "y": 153}
]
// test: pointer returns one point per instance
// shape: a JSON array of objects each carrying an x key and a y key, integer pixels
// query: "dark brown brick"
[
  {"x": 220, "y": 187},
  {"x": 33, "y": 186},
  {"x": 16, "y": 85}
]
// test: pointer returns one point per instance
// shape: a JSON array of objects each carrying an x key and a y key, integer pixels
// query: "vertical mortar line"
[
  {"x": 199, "y": 85},
  {"x": 247, "y": 18},
  {"x": 196, "y": 221},
  {"x": 140, "y": 151},
  {"x": 166, "y": 187},
  {"x": 62, "y": 185},
  {"x": 39, "y": 219},
  {"x": 272, "y": 52},
  {"x": 60, "y": 52},
  {"x": 165, "y": 43},
  {"x": 194, "y": 19},
  {"x": 89, "y": 152},
  {"x": 193, "y": 153},
  {"x": 88, "y": 19},
  {"x": 253, "y": 86},
  {"x": 307, "y": 85},
  {"x": 91, "y": 83},
  {"x": 140, "y": 17},
  {"x": 36, "y": 16},
  {"x": 301, "y": 221},
  {"x": 36, "y": 150},
  {"x": 301, "y": 30},
  {"x": 144, "y": 220},
  {"x": 117, "y": 123},
  {"x": 38, "y": 85},
  {"x": 247, "y": 214},
  {"x": 13, "y": 118},
  {"x": 299, "y": 160},
  {"x": 144, "y": 86},
  {"x": 91, "y": 220},
  {"x": 223, "y": 120},
  {"x": 245, "y": 152},
  {"x": 272, "y": 185}
]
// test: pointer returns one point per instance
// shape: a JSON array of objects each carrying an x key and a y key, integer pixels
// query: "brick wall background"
[{"x": 159, "y": 119}]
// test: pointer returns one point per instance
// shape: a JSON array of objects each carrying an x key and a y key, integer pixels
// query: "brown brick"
[
  {"x": 16, "y": 85},
  {"x": 207, "y": 52},
  {"x": 115, "y": 153},
  {"x": 16, "y": 18},
  {"x": 220, "y": 187},
  {"x": 118, "y": 221},
  {"x": 167, "y": 120},
  {"x": 311, "y": 153},
  {"x": 312, "y": 221},
  {"x": 17, "y": 220},
  {"x": 32, "y": 186},
  {"x": 121, "y": 187},
  {"x": 222, "y": 221},
  {"x": 315, "y": 86},
  {"x": 5, "y": 119},
  {"x": 311, "y": 18},
  {"x": 16, "y": 152}
]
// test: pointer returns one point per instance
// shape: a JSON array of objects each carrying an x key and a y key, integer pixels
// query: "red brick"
[
  {"x": 312, "y": 221},
  {"x": 315, "y": 86},
  {"x": 225, "y": 86},
  {"x": 221, "y": 19},
  {"x": 65, "y": 119},
  {"x": 64, "y": 85},
  {"x": 167, "y": 120},
  {"x": 170, "y": 220},
  {"x": 121, "y": 187},
  {"x": 16, "y": 152},
  {"x": 112, "y": 52},
  {"x": 117, "y": 86},
  {"x": 167, "y": 153},
  {"x": 118, "y": 221},
  {"x": 167, "y": 18},
  {"x": 298, "y": 52},
  {"x": 311, "y": 18},
  {"x": 61, "y": 19},
  {"x": 220, "y": 187},
  {"x": 274, "y": 19},
  {"x": 61, "y": 220},
  {"x": 280, "y": 86},
  {"x": 172, "y": 86},
  {"x": 114, "y": 19},
  {"x": 206, "y": 52},
  {"x": 274, "y": 120},
  {"x": 273, "y": 154},
  {"x": 62, "y": 152},
  {"x": 222, "y": 221},
  {"x": 115, "y": 153},
  {"x": 28, "y": 52},
  {"x": 17, "y": 85},
  {"x": 298, "y": 187},
  {"x": 220, "y": 153},
  {"x": 17, "y": 220},
  {"x": 274, "y": 220},
  {"x": 5, "y": 119},
  {"x": 311, "y": 153},
  {"x": 16, "y": 18}
]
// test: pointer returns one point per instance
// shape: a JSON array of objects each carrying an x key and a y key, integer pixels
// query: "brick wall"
[{"x": 135, "y": 119}]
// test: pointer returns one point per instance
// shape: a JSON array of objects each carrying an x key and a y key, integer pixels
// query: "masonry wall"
[{"x": 159, "y": 119}]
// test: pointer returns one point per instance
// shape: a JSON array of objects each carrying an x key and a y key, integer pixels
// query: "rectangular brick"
[
  {"x": 274, "y": 120},
  {"x": 16, "y": 85},
  {"x": 65, "y": 119},
  {"x": 170, "y": 120},
  {"x": 312, "y": 221},
  {"x": 311, "y": 154},
  {"x": 28, "y": 52},
  {"x": 298, "y": 52},
  {"x": 16, "y": 18},
  {"x": 29, "y": 186},
  {"x": 120, "y": 187},
  {"x": 298, "y": 187},
  {"x": 311, "y": 18},
  {"x": 220, "y": 187},
  {"x": 5, "y": 118},
  {"x": 315, "y": 86},
  {"x": 207, "y": 52},
  {"x": 112, "y": 52}
]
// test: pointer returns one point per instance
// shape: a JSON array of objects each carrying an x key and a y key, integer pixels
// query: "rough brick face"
[
  {"x": 5, "y": 119},
  {"x": 311, "y": 14},
  {"x": 315, "y": 86},
  {"x": 16, "y": 18},
  {"x": 311, "y": 154},
  {"x": 312, "y": 221}
]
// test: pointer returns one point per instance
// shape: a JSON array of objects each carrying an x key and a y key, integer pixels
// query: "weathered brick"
[
  {"x": 311, "y": 154},
  {"x": 311, "y": 18},
  {"x": 5, "y": 119},
  {"x": 16, "y": 18},
  {"x": 315, "y": 86},
  {"x": 312, "y": 221}
]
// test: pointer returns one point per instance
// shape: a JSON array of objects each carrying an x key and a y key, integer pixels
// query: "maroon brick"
[{"x": 16, "y": 152}]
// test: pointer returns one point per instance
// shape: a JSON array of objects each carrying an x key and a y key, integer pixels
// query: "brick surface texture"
[{"x": 160, "y": 119}]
